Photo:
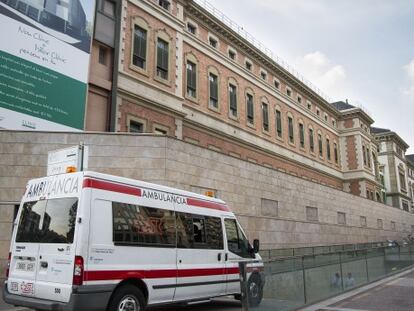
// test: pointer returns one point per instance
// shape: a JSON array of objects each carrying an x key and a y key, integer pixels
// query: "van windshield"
[{"x": 48, "y": 221}]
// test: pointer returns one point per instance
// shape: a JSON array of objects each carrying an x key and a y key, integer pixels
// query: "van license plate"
[{"x": 25, "y": 266}]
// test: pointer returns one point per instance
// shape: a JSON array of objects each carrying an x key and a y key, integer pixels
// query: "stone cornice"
[
  {"x": 391, "y": 136},
  {"x": 356, "y": 113},
  {"x": 208, "y": 20}
]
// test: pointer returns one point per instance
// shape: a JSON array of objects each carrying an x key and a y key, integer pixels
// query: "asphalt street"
[{"x": 222, "y": 304}]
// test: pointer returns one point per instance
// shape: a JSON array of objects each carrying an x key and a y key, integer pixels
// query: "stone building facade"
[
  {"x": 396, "y": 169},
  {"x": 185, "y": 73},
  {"x": 280, "y": 209}
]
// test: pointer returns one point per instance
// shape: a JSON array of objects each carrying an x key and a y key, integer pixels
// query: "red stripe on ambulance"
[
  {"x": 211, "y": 205},
  {"x": 104, "y": 185},
  {"x": 155, "y": 274}
]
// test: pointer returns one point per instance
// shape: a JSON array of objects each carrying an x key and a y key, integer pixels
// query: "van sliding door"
[{"x": 200, "y": 257}]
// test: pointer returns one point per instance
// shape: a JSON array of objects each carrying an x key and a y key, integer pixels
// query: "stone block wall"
[{"x": 242, "y": 184}]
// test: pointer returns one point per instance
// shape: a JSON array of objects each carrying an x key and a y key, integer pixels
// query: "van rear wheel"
[{"x": 127, "y": 298}]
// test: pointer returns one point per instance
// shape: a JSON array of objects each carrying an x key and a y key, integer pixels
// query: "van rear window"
[{"x": 48, "y": 221}]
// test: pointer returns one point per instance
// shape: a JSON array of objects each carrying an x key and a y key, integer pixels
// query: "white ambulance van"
[{"x": 88, "y": 241}]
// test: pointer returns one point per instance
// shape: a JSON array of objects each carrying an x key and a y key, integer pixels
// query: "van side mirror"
[{"x": 256, "y": 246}]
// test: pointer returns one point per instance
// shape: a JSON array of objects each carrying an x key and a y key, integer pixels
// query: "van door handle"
[
  {"x": 226, "y": 257},
  {"x": 61, "y": 249},
  {"x": 219, "y": 257},
  {"x": 44, "y": 264}
]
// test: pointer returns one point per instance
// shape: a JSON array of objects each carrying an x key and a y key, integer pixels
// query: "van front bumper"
[{"x": 91, "y": 298}]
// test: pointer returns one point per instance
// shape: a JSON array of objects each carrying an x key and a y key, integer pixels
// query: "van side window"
[
  {"x": 141, "y": 225},
  {"x": 236, "y": 241},
  {"x": 199, "y": 232}
]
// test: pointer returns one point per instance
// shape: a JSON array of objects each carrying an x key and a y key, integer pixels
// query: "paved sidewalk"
[{"x": 395, "y": 293}]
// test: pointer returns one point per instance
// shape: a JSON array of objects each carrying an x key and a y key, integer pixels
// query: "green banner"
[{"x": 29, "y": 88}]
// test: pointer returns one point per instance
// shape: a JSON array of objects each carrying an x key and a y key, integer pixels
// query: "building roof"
[
  {"x": 410, "y": 158},
  {"x": 342, "y": 105},
  {"x": 378, "y": 130}
]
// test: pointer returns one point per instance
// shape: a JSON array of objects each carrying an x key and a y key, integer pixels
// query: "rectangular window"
[
  {"x": 232, "y": 55},
  {"x": 141, "y": 225},
  {"x": 368, "y": 157},
  {"x": 363, "y": 221},
  {"x": 191, "y": 28},
  {"x": 102, "y": 55},
  {"x": 213, "y": 42},
  {"x": 139, "y": 57},
  {"x": 279, "y": 123},
  {"x": 402, "y": 181},
  {"x": 312, "y": 213},
  {"x": 336, "y": 153},
  {"x": 291, "y": 133},
  {"x": 213, "y": 84},
  {"x": 302, "y": 135},
  {"x": 165, "y": 4},
  {"x": 277, "y": 84},
  {"x": 364, "y": 155},
  {"x": 136, "y": 127},
  {"x": 109, "y": 8},
  {"x": 236, "y": 240},
  {"x": 380, "y": 224},
  {"x": 265, "y": 115},
  {"x": 199, "y": 232},
  {"x": 299, "y": 99},
  {"x": 48, "y": 221},
  {"x": 311, "y": 141},
  {"x": 191, "y": 79},
  {"x": 249, "y": 66},
  {"x": 162, "y": 59},
  {"x": 288, "y": 92},
  {"x": 263, "y": 75},
  {"x": 233, "y": 99},
  {"x": 320, "y": 142},
  {"x": 393, "y": 227},
  {"x": 341, "y": 218},
  {"x": 328, "y": 149},
  {"x": 250, "y": 108},
  {"x": 269, "y": 208},
  {"x": 405, "y": 206}
]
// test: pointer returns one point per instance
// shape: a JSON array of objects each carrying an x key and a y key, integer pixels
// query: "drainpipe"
[{"x": 113, "y": 108}]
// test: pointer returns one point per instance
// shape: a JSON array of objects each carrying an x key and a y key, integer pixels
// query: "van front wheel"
[
  {"x": 127, "y": 298},
  {"x": 254, "y": 290}
]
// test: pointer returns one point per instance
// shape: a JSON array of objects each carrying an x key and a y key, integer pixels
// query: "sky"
[
  {"x": 362, "y": 51},
  {"x": 88, "y": 7}
]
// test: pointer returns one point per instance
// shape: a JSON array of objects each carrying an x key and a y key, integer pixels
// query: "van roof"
[{"x": 143, "y": 184}]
